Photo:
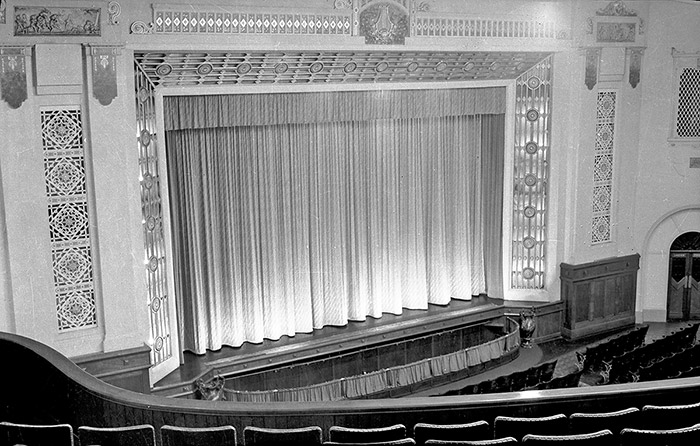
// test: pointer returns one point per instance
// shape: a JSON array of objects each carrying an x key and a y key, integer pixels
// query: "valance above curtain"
[{"x": 210, "y": 111}]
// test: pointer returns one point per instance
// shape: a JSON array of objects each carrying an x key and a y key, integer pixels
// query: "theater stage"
[{"x": 355, "y": 335}]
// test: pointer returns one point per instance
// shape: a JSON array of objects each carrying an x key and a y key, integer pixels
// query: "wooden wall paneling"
[
  {"x": 417, "y": 349},
  {"x": 391, "y": 355},
  {"x": 369, "y": 359},
  {"x": 347, "y": 365},
  {"x": 600, "y": 296},
  {"x": 447, "y": 342}
]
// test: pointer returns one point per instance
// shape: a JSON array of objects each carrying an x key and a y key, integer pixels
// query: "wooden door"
[
  {"x": 678, "y": 277},
  {"x": 693, "y": 284}
]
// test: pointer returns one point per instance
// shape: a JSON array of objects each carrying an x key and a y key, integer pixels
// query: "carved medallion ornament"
[
  {"x": 13, "y": 76},
  {"x": 49, "y": 21},
  {"x": 384, "y": 23},
  {"x": 104, "y": 73}
]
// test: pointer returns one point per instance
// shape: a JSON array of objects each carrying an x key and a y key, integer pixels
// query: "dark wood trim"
[
  {"x": 599, "y": 297},
  {"x": 483, "y": 310},
  {"x": 127, "y": 368},
  {"x": 44, "y": 387}
]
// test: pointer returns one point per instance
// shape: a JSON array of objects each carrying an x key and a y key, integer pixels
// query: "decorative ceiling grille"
[{"x": 170, "y": 69}]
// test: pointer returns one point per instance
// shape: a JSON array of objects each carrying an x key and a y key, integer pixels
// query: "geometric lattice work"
[
  {"x": 688, "y": 124},
  {"x": 603, "y": 167},
  {"x": 69, "y": 227}
]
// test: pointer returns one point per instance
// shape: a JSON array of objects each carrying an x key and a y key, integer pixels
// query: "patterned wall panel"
[
  {"x": 603, "y": 167},
  {"x": 533, "y": 111},
  {"x": 688, "y": 122},
  {"x": 159, "y": 302},
  {"x": 69, "y": 226},
  {"x": 379, "y": 21},
  {"x": 170, "y": 69},
  {"x": 427, "y": 25},
  {"x": 169, "y": 19}
]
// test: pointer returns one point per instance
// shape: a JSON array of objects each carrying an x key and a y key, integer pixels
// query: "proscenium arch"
[{"x": 151, "y": 135}]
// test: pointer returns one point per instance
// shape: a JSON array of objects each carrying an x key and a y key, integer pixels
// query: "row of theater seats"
[
  {"x": 652, "y": 425},
  {"x": 535, "y": 377},
  {"x": 593, "y": 357},
  {"x": 626, "y": 367}
]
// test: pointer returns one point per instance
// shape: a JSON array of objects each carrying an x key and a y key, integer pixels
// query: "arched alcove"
[
  {"x": 654, "y": 270},
  {"x": 683, "y": 301}
]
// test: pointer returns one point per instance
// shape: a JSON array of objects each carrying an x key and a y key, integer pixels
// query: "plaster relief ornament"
[
  {"x": 115, "y": 10},
  {"x": 384, "y": 23},
  {"x": 617, "y": 9},
  {"x": 139, "y": 27},
  {"x": 13, "y": 77},
  {"x": 343, "y": 4}
]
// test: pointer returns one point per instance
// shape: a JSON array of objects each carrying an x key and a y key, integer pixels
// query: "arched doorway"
[{"x": 684, "y": 277}]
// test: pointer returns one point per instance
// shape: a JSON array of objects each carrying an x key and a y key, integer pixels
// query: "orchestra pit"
[{"x": 350, "y": 222}]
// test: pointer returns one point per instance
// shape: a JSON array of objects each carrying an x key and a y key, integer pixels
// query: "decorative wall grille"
[
  {"x": 688, "y": 123},
  {"x": 344, "y": 21},
  {"x": 216, "y": 22},
  {"x": 151, "y": 204},
  {"x": 533, "y": 111},
  {"x": 69, "y": 228},
  {"x": 603, "y": 167},
  {"x": 430, "y": 26}
]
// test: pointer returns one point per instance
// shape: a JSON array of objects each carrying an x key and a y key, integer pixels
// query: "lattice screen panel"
[
  {"x": 69, "y": 222},
  {"x": 603, "y": 167},
  {"x": 151, "y": 203},
  {"x": 533, "y": 111},
  {"x": 688, "y": 123}
]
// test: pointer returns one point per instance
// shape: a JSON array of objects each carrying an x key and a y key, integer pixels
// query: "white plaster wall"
[
  {"x": 651, "y": 178},
  {"x": 668, "y": 191}
]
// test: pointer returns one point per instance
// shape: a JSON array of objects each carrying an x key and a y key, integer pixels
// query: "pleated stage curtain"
[{"x": 283, "y": 224}]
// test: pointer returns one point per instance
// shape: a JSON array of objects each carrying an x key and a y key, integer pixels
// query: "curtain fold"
[{"x": 286, "y": 228}]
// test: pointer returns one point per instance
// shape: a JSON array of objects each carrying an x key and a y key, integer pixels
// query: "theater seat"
[
  {"x": 686, "y": 436},
  {"x": 478, "y": 430},
  {"x": 198, "y": 436},
  {"x": 518, "y": 427},
  {"x": 140, "y": 435},
  {"x": 493, "y": 442},
  {"x": 401, "y": 442},
  {"x": 600, "y": 438},
  {"x": 584, "y": 423},
  {"x": 340, "y": 434},
  {"x": 670, "y": 417},
  {"x": 260, "y": 436},
  {"x": 36, "y": 435}
]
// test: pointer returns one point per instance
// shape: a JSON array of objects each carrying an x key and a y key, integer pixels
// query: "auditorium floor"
[{"x": 564, "y": 351}]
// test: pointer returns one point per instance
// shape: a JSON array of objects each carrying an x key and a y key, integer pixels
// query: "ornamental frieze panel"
[
  {"x": 377, "y": 21},
  {"x": 616, "y": 34}
]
